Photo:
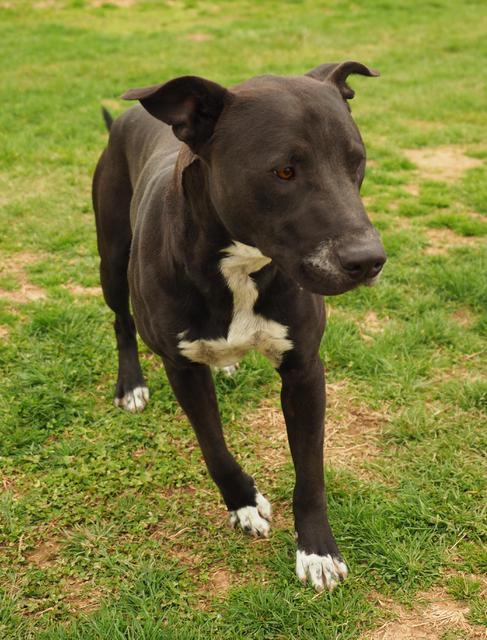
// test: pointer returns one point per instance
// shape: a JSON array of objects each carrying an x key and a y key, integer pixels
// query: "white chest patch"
[{"x": 247, "y": 330}]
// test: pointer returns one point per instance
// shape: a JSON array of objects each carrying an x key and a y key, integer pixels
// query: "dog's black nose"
[{"x": 362, "y": 262}]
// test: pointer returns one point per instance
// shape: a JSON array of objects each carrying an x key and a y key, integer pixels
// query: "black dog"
[{"x": 226, "y": 243}]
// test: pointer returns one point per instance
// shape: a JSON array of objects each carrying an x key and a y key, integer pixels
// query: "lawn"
[{"x": 109, "y": 524}]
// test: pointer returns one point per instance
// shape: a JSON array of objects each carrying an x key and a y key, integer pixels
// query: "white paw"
[
  {"x": 254, "y": 520},
  {"x": 229, "y": 371},
  {"x": 324, "y": 572},
  {"x": 134, "y": 400}
]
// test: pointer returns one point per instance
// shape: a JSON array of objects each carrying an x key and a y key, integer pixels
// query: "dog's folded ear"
[
  {"x": 191, "y": 105},
  {"x": 337, "y": 73}
]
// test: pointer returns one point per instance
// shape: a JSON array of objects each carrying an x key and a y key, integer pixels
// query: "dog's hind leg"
[
  {"x": 193, "y": 387},
  {"x": 112, "y": 193}
]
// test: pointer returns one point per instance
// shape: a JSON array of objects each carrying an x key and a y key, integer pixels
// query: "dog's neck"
[{"x": 206, "y": 240}]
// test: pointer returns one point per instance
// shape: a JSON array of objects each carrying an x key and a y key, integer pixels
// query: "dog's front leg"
[
  {"x": 303, "y": 403},
  {"x": 195, "y": 391}
]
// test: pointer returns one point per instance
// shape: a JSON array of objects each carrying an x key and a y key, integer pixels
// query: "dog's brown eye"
[{"x": 286, "y": 173}]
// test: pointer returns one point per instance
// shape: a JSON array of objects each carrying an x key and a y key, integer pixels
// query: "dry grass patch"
[
  {"x": 458, "y": 371},
  {"x": 352, "y": 431},
  {"x": 437, "y": 615},
  {"x": 440, "y": 241},
  {"x": 445, "y": 163}
]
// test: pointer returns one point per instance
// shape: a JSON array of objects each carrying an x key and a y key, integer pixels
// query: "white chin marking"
[
  {"x": 254, "y": 520},
  {"x": 134, "y": 400},
  {"x": 323, "y": 572},
  {"x": 374, "y": 281}
]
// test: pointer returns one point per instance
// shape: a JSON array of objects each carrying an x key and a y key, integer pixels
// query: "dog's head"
[{"x": 285, "y": 162}]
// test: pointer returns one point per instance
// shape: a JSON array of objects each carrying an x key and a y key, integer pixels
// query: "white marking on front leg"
[
  {"x": 322, "y": 571},
  {"x": 134, "y": 400},
  {"x": 254, "y": 520}
]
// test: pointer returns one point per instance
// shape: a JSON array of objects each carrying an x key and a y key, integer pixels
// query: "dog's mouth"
[
  {"x": 332, "y": 282},
  {"x": 374, "y": 281}
]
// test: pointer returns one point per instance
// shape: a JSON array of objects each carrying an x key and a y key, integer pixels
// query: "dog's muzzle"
[{"x": 336, "y": 267}]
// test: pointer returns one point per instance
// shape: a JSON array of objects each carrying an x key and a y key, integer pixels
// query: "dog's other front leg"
[
  {"x": 195, "y": 391},
  {"x": 303, "y": 403}
]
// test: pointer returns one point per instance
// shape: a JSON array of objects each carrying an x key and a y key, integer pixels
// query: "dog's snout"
[{"x": 363, "y": 261}]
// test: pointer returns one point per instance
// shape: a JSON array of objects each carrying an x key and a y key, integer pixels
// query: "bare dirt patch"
[
  {"x": 45, "y": 553},
  {"x": 446, "y": 163},
  {"x": 4, "y": 331},
  {"x": 116, "y": 3},
  {"x": 218, "y": 581},
  {"x": 10, "y": 485},
  {"x": 437, "y": 615},
  {"x": 371, "y": 325},
  {"x": 352, "y": 431},
  {"x": 80, "y": 596},
  {"x": 221, "y": 580},
  {"x": 412, "y": 189},
  {"x": 14, "y": 266},
  {"x": 111, "y": 104},
  {"x": 27, "y": 293},
  {"x": 198, "y": 37},
  {"x": 442, "y": 240},
  {"x": 187, "y": 557},
  {"x": 79, "y": 290},
  {"x": 464, "y": 317},
  {"x": 368, "y": 200},
  {"x": 424, "y": 125},
  {"x": 48, "y": 4}
]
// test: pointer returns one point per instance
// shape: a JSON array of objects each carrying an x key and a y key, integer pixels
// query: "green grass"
[{"x": 109, "y": 524}]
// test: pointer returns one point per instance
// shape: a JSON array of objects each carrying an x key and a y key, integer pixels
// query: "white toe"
[
  {"x": 250, "y": 521},
  {"x": 229, "y": 371},
  {"x": 264, "y": 507},
  {"x": 322, "y": 571},
  {"x": 254, "y": 520},
  {"x": 134, "y": 400},
  {"x": 341, "y": 568}
]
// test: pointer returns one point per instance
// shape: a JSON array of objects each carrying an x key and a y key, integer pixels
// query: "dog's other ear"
[
  {"x": 337, "y": 73},
  {"x": 191, "y": 105}
]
